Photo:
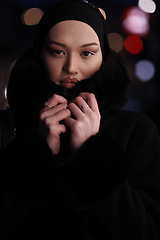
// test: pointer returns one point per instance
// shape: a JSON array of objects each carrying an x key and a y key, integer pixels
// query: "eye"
[
  {"x": 57, "y": 52},
  {"x": 87, "y": 54}
]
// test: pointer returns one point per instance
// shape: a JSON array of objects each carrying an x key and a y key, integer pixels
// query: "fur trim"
[
  {"x": 29, "y": 88},
  {"x": 96, "y": 173}
]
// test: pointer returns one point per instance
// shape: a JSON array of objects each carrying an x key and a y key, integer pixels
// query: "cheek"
[{"x": 93, "y": 67}]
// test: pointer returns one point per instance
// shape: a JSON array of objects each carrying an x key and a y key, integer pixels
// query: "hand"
[
  {"x": 49, "y": 125},
  {"x": 86, "y": 122}
]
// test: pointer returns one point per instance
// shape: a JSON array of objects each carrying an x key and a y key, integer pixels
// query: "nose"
[{"x": 70, "y": 65}]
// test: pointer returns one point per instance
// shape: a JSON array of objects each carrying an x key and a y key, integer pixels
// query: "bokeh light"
[
  {"x": 103, "y": 13},
  {"x": 148, "y": 6},
  {"x": 136, "y": 21},
  {"x": 5, "y": 92},
  {"x": 116, "y": 41},
  {"x": 32, "y": 16},
  {"x": 144, "y": 70},
  {"x": 133, "y": 44}
]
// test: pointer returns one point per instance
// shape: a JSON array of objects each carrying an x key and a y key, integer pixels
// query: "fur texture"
[
  {"x": 109, "y": 189},
  {"x": 29, "y": 88}
]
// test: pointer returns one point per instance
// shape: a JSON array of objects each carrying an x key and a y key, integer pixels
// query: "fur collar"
[{"x": 29, "y": 88}]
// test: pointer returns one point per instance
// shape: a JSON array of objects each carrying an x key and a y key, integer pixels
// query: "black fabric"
[
  {"x": 72, "y": 10},
  {"x": 108, "y": 190},
  {"x": 7, "y": 127},
  {"x": 111, "y": 86},
  {"x": 4, "y": 128}
]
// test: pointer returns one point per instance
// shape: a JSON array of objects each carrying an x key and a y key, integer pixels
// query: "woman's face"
[{"x": 71, "y": 52}]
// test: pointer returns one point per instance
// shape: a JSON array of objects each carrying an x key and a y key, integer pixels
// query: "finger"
[
  {"x": 78, "y": 108},
  {"x": 91, "y": 101},
  {"x": 58, "y": 117},
  {"x": 75, "y": 110},
  {"x": 82, "y": 104},
  {"x": 54, "y": 100},
  {"x": 53, "y": 111},
  {"x": 69, "y": 122},
  {"x": 61, "y": 128}
]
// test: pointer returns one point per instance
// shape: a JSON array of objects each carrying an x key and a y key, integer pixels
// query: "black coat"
[{"x": 109, "y": 189}]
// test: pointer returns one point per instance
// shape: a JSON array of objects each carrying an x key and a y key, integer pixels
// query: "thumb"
[{"x": 69, "y": 122}]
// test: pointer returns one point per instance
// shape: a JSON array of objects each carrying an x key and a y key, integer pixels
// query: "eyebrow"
[
  {"x": 63, "y": 45},
  {"x": 57, "y": 43},
  {"x": 89, "y": 44}
]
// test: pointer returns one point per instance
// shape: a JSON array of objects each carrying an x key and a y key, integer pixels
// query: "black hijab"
[{"x": 79, "y": 10}]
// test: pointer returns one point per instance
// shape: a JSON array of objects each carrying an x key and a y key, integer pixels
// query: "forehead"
[{"x": 71, "y": 29}]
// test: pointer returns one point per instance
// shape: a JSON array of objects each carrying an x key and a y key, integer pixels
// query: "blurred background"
[{"x": 133, "y": 31}]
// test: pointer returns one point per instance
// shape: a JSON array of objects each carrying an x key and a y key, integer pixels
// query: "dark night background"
[{"x": 16, "y": 37}]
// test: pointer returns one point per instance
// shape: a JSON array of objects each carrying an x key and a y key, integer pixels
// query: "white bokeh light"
[
  {"x": 5, "y": 92},
  {"x": 148, "y": 6},
  {"x": 136, "y": 21},
  {"x": 144, "y": 70}
]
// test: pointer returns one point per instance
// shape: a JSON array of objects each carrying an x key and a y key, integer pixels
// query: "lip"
[{"x": 68, "y": 82}]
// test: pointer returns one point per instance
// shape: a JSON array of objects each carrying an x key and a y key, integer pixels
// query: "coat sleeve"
[{"x": 121, "y": 196}]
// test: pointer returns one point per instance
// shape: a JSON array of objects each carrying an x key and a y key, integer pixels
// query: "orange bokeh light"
[{"x": 31, "y": 16}]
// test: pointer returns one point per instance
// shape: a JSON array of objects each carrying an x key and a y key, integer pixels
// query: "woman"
[{"x": 79, "y": 168}]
